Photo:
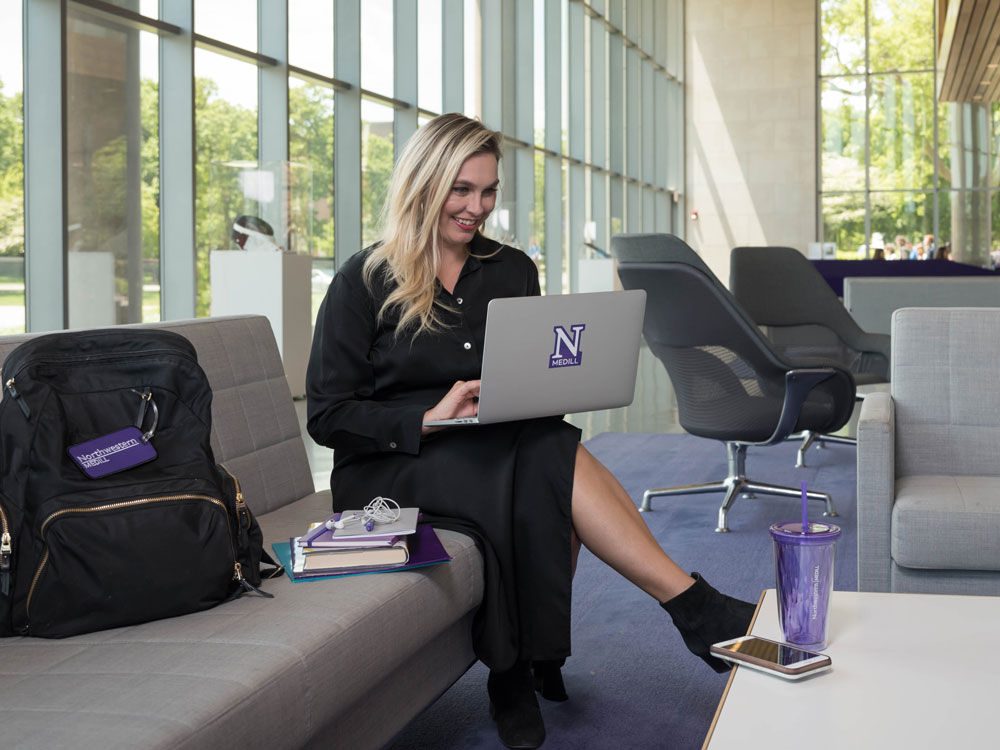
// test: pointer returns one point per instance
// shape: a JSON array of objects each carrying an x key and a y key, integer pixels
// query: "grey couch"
[
  {"x": 871, "y": 300},
  {"x": 929, "y": 458},
  {"x": 335, "y": 663}
]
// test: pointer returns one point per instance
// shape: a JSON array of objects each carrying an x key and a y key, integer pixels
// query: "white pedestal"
[
  {"x": 272, "y": 284},
  {"x": 596, "y": 275},
  {"x": 91, "y": 290}
]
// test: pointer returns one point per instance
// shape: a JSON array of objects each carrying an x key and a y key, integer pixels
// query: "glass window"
[
  {"x": 376, "y": 166},
  {"x": 429, "y": 55},
  {"x": 471, "y": 50},
  {"x": 377, "y": 47},
  {"x": 539, "y": 72},
  {"x": 843, "y": 156},
  {"x": 844, "y": 224},
  {"x": 842, "y": 47},
  {"x": 148, "y": 8},
  {"x": 310, "y": 35},
  {"x": 995, "y": 143},
  {"x": 893, "y": 44},
  {"x": 112, "y": 173},
  {"x": 230, "y": 21},
  {"x": 536, "y": 246},
  {"x": 964, "y": 135},
  {"x": 903, "y": 219},
  {"x": 902, "y": 131},
  {"x": 11, "y": 173},
  {"x": 930, "y": 166},
  {"x": 225, "y": 112},
  {"x": 310, "y": 144}
]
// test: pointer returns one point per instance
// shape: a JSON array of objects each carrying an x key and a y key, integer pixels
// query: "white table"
[{"x": 909, "y": 671}]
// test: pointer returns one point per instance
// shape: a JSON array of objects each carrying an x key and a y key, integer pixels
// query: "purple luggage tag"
[{"x": 111, "y": 453}]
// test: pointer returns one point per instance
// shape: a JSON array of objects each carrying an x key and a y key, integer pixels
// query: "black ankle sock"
[{"x": 704, "y": 617}]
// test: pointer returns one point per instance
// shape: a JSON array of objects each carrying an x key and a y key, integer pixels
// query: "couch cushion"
[
  {"x": 947, "y": 523},
  {"x": 254, "y": 673},
  {"x": 946, "y": 410}
]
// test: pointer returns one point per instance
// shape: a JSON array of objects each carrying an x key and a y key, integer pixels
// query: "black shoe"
[
  {"x": 514, "y": 707},
  {"x": 548, "y": 679},
  {"x": 704, "y": 616}
]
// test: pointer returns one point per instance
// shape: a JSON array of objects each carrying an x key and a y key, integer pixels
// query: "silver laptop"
[{"x": 558, "y": 354}]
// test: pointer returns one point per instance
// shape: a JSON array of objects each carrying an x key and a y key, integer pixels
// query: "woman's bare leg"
[
  {"x": 607, "y": 522},
  {"x": 574, "y": 541}
]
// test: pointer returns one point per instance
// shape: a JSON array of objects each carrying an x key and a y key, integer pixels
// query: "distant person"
[
  {"x": 943, "y": 252},
  {"x": 929, "y": 245},
  {"x": 535, "y": 251},
  {"x": 917, "y": 252},
  {"x": 877, "y": 246}
]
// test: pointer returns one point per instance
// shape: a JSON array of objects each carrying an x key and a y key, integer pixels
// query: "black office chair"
[
  {"x": 781, "y": 290},
  {"x": 731, "y": 384}
]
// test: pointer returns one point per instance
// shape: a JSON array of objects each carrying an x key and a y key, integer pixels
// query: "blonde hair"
[{"x": 410, "y": 256}]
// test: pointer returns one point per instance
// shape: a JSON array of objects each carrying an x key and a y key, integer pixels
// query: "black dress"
[{"x": 507, "y": 485}]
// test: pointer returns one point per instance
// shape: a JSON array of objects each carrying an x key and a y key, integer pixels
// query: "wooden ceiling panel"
[{"x": 969, "y": 52}]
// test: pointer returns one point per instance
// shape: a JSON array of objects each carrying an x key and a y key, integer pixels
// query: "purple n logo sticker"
[
  {"x": 112, "y": 453},
  {"x": 566, "y": 352}
]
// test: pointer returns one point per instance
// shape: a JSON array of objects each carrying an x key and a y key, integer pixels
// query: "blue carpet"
[{"x": 631, "y": 681}]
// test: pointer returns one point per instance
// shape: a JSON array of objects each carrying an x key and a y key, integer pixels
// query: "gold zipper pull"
[
  {"x": 241, "y": 507},
  {"x": 245, "y": 584}
]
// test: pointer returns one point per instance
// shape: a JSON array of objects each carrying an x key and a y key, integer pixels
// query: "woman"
[{"x": 398, "y": 343}]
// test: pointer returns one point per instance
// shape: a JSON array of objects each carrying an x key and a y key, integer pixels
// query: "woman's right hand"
[{"x": 460, "y": 401}]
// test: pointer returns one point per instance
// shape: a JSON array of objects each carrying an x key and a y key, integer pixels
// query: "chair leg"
[
  {"x": 777, "y": 489},
  {"x": 684, "y": 489},
  {"x": 808, "y": 438},
  {"x": 732, "y": 493},
  {"x": 734, "y": 485}
]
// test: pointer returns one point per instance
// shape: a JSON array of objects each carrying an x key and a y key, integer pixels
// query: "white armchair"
[{"x": 929, "y": 458}]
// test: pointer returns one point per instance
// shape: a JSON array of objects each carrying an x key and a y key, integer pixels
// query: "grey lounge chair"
[
  {"x": 782, "y": 291},
  {"x": 731, "y": 384}
]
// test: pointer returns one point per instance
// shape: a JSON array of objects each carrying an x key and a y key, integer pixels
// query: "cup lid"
[{"x": 818, "y": 533}]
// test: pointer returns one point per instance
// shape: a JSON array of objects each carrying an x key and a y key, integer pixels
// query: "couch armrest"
[{"x": 876, "y": 490}]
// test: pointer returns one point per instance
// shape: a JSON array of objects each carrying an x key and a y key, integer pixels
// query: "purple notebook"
[{"x": 424, "y": 546}]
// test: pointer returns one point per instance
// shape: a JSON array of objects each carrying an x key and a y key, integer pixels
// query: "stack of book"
[{"x": 324, "y": 552}]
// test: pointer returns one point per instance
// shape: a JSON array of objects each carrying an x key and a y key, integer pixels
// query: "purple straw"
[{"x": 805, "y": 510}]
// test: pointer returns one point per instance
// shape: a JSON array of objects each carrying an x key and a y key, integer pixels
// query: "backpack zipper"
[
  {"x": 22, "y": 404},
  {"x": 6, "y": 555},
  {"x": 241, "y": 507},
  {"x": 243, "y": 513},
  {"x": 237, "y": 570},
  {"x": 94, "y": 358}
]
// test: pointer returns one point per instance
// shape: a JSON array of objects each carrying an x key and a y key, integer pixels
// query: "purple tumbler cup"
[{"x": 803, "y": 566}]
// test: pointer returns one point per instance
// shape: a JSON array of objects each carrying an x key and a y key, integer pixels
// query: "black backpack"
[{"x": 96, "y": 532}]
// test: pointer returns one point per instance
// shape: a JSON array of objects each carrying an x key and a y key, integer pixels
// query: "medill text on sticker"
[
  {"x": 566, "y": 352},
  {"x": 111, "y": 453}
]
